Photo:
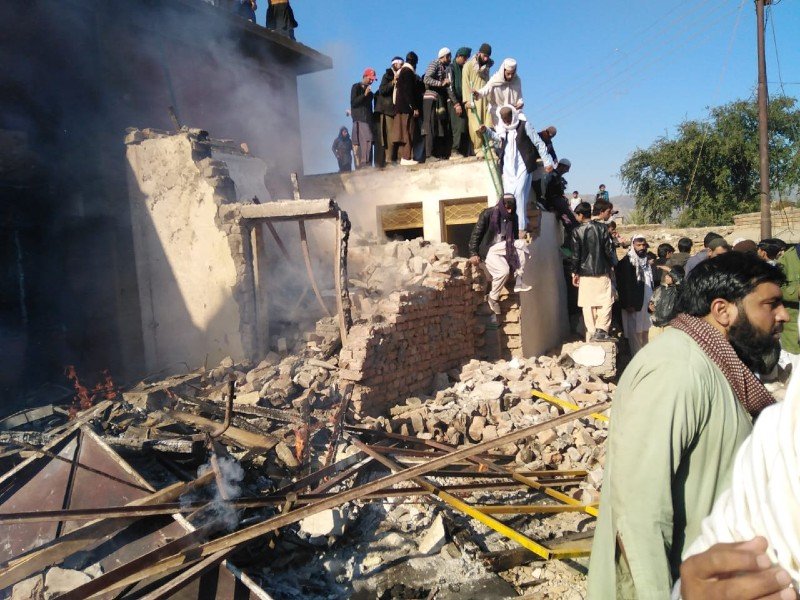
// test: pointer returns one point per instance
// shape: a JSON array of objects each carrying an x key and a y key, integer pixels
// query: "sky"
[{"x": 612, "y": 75}]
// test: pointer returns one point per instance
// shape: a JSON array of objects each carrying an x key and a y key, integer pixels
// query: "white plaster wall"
[
  {"x": 361, "y": 192},
  {"x": 248, "y": 174},
  {"x": 544, "y": 320},
  {"x": 183, "y": 260}
]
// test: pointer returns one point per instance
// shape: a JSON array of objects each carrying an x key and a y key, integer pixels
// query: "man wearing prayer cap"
[
  {"x": 457, "y": 110},
  {"x": 475, "y": 76},
  {"x": 504, "y": 87},
  {"x": 435, "y": 119}
]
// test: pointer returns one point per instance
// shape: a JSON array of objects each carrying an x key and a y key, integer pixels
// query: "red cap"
[{"x": 370, "y": 72}]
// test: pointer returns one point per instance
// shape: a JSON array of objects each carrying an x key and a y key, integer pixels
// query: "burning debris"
[{"x": 352, "y": 484}]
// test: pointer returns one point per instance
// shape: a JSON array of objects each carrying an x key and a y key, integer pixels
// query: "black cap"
[{"x": 485, "y": 49}]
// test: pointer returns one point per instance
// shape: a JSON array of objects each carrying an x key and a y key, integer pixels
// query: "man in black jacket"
[
  {"x": 361, "y": 97},
  {"x": 384, "y": 115},
  {"x": 592, "y": 263},
  {"x": 407, "y": 105},
  {"x": 495, "y": 240},
  {"x": 549, "y": 192},
  {"x": 635, "y": 286}
]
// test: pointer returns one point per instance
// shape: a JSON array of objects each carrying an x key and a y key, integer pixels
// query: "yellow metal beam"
[
  {"x": 516, "y": 509},
  {"x": 565, "y": 404},
  {"x": 460, "y": 505}
]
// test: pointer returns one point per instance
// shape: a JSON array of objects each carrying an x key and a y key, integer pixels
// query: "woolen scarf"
[
  {"x": 501, "y": 223},
  {"x": 750, "y": 392}
]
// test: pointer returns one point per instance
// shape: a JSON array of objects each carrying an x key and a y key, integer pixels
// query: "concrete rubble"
[{"x": 405, "y": 381}]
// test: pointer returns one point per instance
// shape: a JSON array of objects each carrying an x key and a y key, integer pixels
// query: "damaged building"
[{"x": 310, "y": 396}]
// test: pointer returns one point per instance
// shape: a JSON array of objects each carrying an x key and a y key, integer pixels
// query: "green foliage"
[{"x": 726, "y": 182}]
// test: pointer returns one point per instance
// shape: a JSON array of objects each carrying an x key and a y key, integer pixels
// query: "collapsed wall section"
[{"x": 413, "y": 337}]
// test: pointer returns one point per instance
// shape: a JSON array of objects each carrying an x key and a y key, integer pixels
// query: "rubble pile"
[{"x": 491, "y": 399}]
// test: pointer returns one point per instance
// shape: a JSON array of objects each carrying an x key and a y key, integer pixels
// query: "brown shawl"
[{"x": 751, "y": 393}]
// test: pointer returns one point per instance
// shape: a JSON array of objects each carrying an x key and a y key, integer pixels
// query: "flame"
[
  {"x": 300, "y": 437},
  {"x": 84, "y": 398}
]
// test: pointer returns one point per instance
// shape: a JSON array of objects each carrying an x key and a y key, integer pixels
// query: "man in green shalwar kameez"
[{"x": 684, "y": 405}]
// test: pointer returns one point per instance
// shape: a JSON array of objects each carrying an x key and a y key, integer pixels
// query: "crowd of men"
[
  {"x": 444, "y": 111},
  {"x": 705, "y": 330}
]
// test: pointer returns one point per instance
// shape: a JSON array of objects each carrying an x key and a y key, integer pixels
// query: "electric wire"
[
  {"x": 581, "y": 82},
  {"x": 706, "y": 125},
  {"x": 590, "y": 98}
]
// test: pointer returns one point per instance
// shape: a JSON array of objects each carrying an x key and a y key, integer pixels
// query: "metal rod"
[
  {"x": 309, "y": 268},
  {"x": 255, "y": 531},
  {"x": 460, "y": 505}
]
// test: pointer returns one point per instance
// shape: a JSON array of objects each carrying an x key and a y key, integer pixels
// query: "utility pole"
[{"x": 763, "y": 136}]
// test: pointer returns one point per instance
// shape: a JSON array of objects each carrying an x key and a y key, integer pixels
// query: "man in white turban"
[{"x": 504, "y": 87}]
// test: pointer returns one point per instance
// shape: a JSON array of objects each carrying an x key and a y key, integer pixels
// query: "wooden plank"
[
  {"x": 309, "y": 269},
  {"x": 234, "y": 435},
  {"x": 289, "y": 209}
]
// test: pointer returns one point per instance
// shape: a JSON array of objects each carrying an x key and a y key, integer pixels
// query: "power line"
[
  {"x": 590, "y": 75},
  {"x": 706, "y": 125},
  {"x": 633, "y": 70}
]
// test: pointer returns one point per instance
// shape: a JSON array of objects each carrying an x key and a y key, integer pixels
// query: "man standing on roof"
[
  {"x": 407, "y": 109},
  {"x": 435, "y": 119},
  {"x": 504, "y": 87},
  {"x": 476, "y": 74},
  {"x": 384, "y": 115},
  {"x": 457, "y": 110},
  {"x": 361, "y": 110},
  {"x": 518, "y": 143}
]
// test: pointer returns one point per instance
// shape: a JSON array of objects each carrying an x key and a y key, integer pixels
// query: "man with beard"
[
  {"x": 635, "y": 286},
  {"x": 457, "y": 112},
  {"x": 495, "y": 240},
  {"x": 683, "y": 406},
  {"x": 407, "y": 105},
  {"x": 383, "y": 115},
  {"x": 518, "y": 147},
  {"x": 435, "y": 120},
  {"x": 475, "y": 76},
  {"x": 504, "y": 87}
]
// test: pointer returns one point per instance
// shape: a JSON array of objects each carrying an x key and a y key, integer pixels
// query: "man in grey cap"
[
  {"x": 435, "y": 120},
  {"x": 549, "y": 192}
]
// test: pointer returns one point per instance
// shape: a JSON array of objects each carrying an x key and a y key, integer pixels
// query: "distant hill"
[{"x": 623, "y": 203}]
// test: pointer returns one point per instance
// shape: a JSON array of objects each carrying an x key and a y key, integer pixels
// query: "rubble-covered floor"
[{"x": 293, "y": 440}]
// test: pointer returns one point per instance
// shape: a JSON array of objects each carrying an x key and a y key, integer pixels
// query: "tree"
[{"x": 669, "y": 182}]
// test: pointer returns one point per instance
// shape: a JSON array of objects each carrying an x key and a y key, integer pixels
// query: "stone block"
[
  {"x": 59, "y": 581},
  {"x": 435, "y": 537},
  {"x": 29, "y": 589},
  {"x": 324, "y": 524}
]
